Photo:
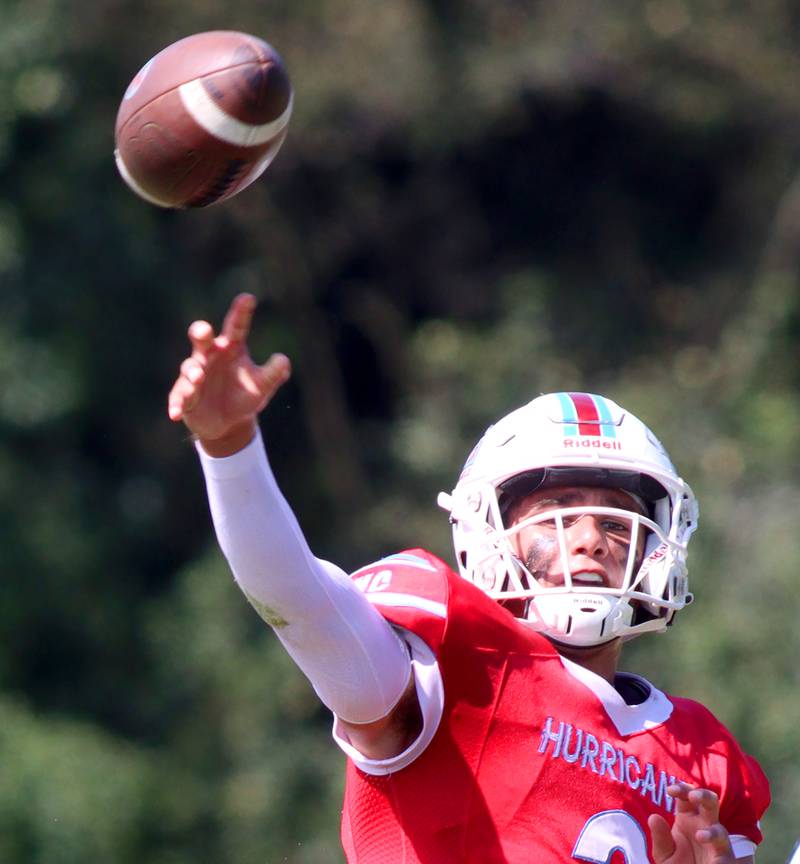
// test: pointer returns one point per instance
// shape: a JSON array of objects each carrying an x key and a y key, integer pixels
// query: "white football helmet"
[{"x": 575, "y": 439}]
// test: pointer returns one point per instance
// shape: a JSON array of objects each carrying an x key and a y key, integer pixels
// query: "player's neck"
[{"x": 600, "y": 659}]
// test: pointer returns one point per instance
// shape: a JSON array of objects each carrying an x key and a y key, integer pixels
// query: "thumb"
[
  {"x": 271, "y": 375},
  {"x": 663, "y": 844}
]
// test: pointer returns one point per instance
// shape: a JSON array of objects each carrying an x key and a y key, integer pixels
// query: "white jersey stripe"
[
  {"x": 216, "y": 122},
  {"x": 406, "y": 558},
  {"x": 389, "y": 598}
]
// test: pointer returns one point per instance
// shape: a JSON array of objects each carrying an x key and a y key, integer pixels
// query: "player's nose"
[{"x": 586, "y": 537}]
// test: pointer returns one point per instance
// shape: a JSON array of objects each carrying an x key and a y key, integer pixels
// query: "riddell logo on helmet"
[{"x": 596, "y": 443}]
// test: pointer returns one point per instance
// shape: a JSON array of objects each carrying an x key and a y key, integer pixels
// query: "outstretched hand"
[
  {"x": 220, "y": 390},
  {"x": 696, "y": 835}
]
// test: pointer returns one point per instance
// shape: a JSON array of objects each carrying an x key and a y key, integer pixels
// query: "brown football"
[{"x": 203, "y": 119}]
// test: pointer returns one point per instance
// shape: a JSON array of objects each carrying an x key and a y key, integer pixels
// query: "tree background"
[{"x": 478, "y": 201}]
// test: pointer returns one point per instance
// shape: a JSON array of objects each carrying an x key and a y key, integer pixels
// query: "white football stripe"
[
  {"x": 207, "y": 114},
  {"x": 388, "y": 598}
]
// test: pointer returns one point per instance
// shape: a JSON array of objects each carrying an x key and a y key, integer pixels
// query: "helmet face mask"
[{"x": 575, "y": 440}]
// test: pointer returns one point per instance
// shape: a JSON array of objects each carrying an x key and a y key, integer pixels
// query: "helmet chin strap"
[{"x": 579, "y": 620}]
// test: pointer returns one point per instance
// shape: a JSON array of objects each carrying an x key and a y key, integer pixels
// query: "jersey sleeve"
[
  {"x": 724, "y": 767},
  {"x": 744, "y": 802},
  {"x": 450, "y": 626},
  {"x": 420, "y": 593},
  {"x": 411, "y": 590}
]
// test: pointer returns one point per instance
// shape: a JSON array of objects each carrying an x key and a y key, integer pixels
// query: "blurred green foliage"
[{"x": 478, "y": 201}]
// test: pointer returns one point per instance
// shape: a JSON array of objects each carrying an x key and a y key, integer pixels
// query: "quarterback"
[{"x": 482, "y": 711}]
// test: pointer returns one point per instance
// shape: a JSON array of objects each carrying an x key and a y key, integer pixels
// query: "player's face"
[{"x": 596, "y": 545}]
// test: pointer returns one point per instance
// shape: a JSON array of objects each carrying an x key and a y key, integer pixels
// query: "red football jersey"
[{"x": 534, "y": 758}]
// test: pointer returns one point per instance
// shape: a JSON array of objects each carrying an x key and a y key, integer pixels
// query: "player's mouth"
[
  {"x": 595, "y": 580},
  {"x": 581, "y": 579}
]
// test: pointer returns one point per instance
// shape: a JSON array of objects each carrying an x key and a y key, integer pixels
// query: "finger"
[
  {"x": 717, "y": 837},
  {"x": 174, "y": 408},
  {"x": 201, "y": 335},
  {"x": 236, "y": 326},
  {"x": 178, "y": 399},
  {"x": 663, "y": 844},
  {"x": 275, "y": 372},
  {"x": 707, "y": 804},
  {"x": 680, "y": 792},
  {"x": 193, "y": 370}
]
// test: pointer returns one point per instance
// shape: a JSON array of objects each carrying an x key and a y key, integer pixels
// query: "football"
[{"x": 203, "y": 119}]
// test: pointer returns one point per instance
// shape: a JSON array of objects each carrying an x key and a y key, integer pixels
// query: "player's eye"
[{"x": 549, "y": 520}]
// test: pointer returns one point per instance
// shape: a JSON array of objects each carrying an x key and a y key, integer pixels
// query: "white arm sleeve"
[{"x": 355, "y": 661}]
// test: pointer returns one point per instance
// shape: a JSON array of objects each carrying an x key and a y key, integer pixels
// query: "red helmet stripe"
[{"x": 586, "y": 410}]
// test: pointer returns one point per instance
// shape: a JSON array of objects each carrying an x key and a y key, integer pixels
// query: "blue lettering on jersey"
[{"x": 581, "y": 749}]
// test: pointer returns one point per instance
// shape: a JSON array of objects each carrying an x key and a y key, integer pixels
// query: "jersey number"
[{"x": 609, "y": 832}]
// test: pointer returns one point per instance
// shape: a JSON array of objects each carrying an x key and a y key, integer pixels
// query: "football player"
[{"x": 483, "y": 713}]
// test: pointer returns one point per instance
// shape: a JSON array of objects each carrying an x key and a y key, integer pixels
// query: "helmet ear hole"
[{"x": 642, "y": 614}]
